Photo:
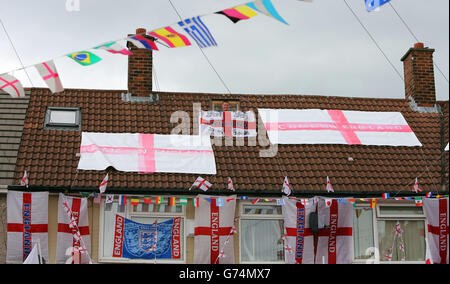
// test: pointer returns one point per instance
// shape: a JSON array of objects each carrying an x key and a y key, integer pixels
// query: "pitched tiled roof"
[{"x": 51, "y": 159}]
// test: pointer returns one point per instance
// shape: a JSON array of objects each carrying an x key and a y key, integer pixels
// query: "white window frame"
[
  {"x": 257, "y": 217},
  {"x": 129, "y": 214},
  {"x": 377, "y": 215}
]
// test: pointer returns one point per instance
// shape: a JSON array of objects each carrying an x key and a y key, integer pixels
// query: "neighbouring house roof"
[
  {"x": 50, "y": 156},
  {"x": 12, "y": 117}
]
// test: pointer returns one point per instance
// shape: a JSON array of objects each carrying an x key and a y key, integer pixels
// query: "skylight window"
[{"x": 62, "y": 118}]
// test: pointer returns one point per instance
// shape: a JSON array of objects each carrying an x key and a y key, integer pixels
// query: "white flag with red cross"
[
  {"x": 329, "y": 185},
  {"x": 287, "y": 189},
  {"x": 316, "y": 126},
  {"x": 214, "y": 230},
  {"x": 73, "y": 232},
  {"x": 201, "y": 183},
  {"x": 48, "y": 72},
  {"x": 230, "y": 184},
  {"x": 104, "y": 184},
  {"x": 335, "y": 241},
  {"x": 147, "y": 153},
  {"x": 436, "y": 212},
  {"x": 298, "y": 233},
  {"x": 24, "y": 180},
  {"x": 27, "y": 217},
  {"x": 12, "y": 86},
  {"x": 416, "y": 187}
]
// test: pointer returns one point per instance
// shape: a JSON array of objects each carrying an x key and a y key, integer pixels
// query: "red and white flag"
[
  {"x": 329, "y": 185},
  {"x": 201, "y": 183},
  {"x": 335, "y": 244},
  {"x": 104, "y": 184},
  {"x": 50, "y": 75},
  {"x": 73, "y": 232},
  {"x": 230, "y": 184},
  {"x": 214, "y": 229},
  {"x": 27, "y": 217},
  {"x": 286, "y": 187},
  {"x": 436, "y": 212},
  {"x": 12, "y": 86},
  {"x": 299, "y": 236},
  {"x": 416, "y": 188},
  {"x": 24, "y": 180}
]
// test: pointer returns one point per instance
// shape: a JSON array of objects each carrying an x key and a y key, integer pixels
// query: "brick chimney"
[
  {"x": 140, "y": 69},
  {"x": 419, "y": 75}
]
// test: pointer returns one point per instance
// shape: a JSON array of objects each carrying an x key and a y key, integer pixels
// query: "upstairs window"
[
  {"x": 217, "y": 105},
  {"x": 63, "y": 118}
]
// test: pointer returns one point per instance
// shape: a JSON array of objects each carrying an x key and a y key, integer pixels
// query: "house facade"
[{"x": 50, "y": 151}]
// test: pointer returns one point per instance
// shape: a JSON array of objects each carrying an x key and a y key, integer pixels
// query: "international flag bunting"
[
  {"x": 171, "y": 37},
  {"x": 159, "y": 199},
  {"x": 109, "y": 198},
  {"x": 115, "y": 48},
  {"x": 147, "y": 200},
  {"x": 12, "y": 86},
  {"x": 122, "y": 200},
  {"x": 196, "y": 202},
  {"x": 172, "y": 201},
  {"x": 373, "y": 203},
  {"x": 385, "y": 195},
  {"x": 134, "y": 201},
  {"x": 374, "y": 4},
  {"x": 141, "y": 42},
  {"x": 429, "y": 194},
  {"x": 255, "y": 201},
  {"x": 418, "y": 201},
  {"x": 198, "y": 31},
  {"x": 85, "y": 58},
  {"x": 266, "y": 7},
  {"x": 48, "y": 72},
  {"x": 238, "y": 13},
  {"x": 183, "y": 201}
]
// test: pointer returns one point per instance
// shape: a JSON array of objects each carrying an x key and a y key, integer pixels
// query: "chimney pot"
[{"x": 419, "y": 45}]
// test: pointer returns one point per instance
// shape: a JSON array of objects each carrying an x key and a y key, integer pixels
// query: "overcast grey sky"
[{"x": 323, "y": 50}]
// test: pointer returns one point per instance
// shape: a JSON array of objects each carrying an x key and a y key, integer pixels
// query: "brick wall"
[{"x": 140, "y": 66}]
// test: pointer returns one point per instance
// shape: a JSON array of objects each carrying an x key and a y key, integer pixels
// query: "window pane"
[
  {"x": 66, "y": 117},
  {"x": 409, "y": 245},
  {"x": 262, "y": 209},
  {"x": 363, "y": 233},
  {"x": 261, "y": 240},
  {"x": 401, "y": 210}
]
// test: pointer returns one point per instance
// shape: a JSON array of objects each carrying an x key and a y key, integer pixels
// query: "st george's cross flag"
[
  {"x": 436, "y": 213},
  {"x": 316, "y": 126},
  {"x": 24, "y": 181},
  {"x": 227, "y": 123},
  {"x": 12, "y": 86},
  {"x": 170, "y": 37},
  {"x": 27, "y": 217},
  {"x": 230, "y": 185},
  {"x": 48, "y": 72},
  {"x": 114, "y": 48},
  {"x": 335, "y": 242},
  {"x": 213, "y": 231},
  {"x": 104, "y": 184},
  {"x": 297, "y": 230},
  {"x": 147, "y": 153},
  {"x": 329, "y": 185},
  {"x": 68, "y": 236},
  {"x": 201, "y": 183},
  {"x": 416, "y": 187},
  {"x": 197, "y": 30},
  {"x": 287, "y": 189},
  {"x": 142, "y": 42}
]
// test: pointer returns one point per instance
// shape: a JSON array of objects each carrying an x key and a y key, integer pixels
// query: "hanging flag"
[
  {"x": 24, "y": 180},
  {"x": 122, "y": 200},
  {"x": 27, "y": 218},
  {"x": 134, "y": 201},
  {"x": 115, "y": 48},
  {"x": 171, "y": 37},
  {"x": 109, "y": 198},
  {"x": 201, "y": 183},
  {"x": 436, "y": 213},
  {"x": 196, "y": 202},
  {"x": 230, "y": 184},
  {"x": 418, "y": 201},
  {"x": 198, "y": 31},
  {"x": 147, "y": 241},
  {"x": 183, "y": 201},
  {"x": 227, "y": 123},
  {"x": 329, "y": 186},
  {"x": 286, "y": 187},
  {"x": 12, "y": 86},
  {"x": 255, "y": 201},
  {"x": 73, "y": 229},
  {"x": 219, "y": 202},
  {"x": 142, "y": 42},
  {"x": 298, "y": 231},
  {"x": 373, "y": 202},
  {"x": 335, "y": 241},
  {"x": 213, "y": 227},
  {"x": 104, "y": 183},
  {"x": 48, "y": 72},
  {"x": 238, "y": 13},
  {"x": 385, "y": 195},
  {"x": 97, "y": 198},
  {"x": 328, "y": 202},
  {"x": 85, "y": 58},
  {"x": 147, "y": 200},
  {"x": 34, "y": 257},
  {"x": 172, "y": 201},
  {"x": 416, "y": 188},
  {"x": 159, "y": 199},
  {"x": 266, "y": 7},
  {"x": 374, "y": 4},
  {"x": 429, "y": 194}
]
